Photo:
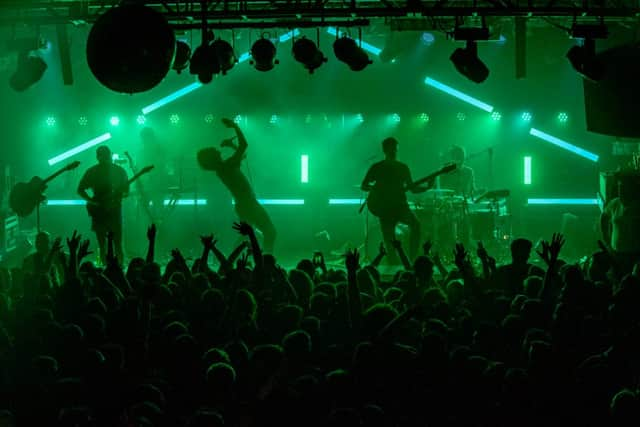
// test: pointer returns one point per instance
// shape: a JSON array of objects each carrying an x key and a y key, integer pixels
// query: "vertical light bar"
[
  {"x": 366, "y": 46},
  {"x": 527, "y": 170},
  {"x": 304, "y": 168},
  {"x": 461, "y": 96},
  {"x": 562, "y": 201},
  {"x": 170, "y": 98},
  {"x": 80, "y": 148},
  {"x": 564, "y": 144}
]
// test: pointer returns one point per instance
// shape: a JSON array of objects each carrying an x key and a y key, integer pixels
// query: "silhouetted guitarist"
[
  {"x": 109, "y": 184},
  {"x": 387, "y": 183}
]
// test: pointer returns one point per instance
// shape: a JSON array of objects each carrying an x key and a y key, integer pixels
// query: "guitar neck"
[{"x": 55, "y": 175}]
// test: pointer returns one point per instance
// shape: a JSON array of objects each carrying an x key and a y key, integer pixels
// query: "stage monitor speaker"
[{"x": 611, "y": 103}]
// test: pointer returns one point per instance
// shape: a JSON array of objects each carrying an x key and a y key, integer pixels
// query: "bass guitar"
[
  {"x": 25, "y": 196},
  {"x": 102, "y": 207},
  {"x": 379, "y": 206}
]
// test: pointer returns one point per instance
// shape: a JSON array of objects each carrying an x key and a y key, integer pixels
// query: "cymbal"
[{"x": 439, "y": 192}]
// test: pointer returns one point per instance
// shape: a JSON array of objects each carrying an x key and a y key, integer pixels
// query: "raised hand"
[
  {"x": 557, "y": 242},
  {"x": 243, "y": 228},
  {"x": 229, "y": 123},
  {"x": 426, "y": 247},
  {"x": 352, "y": 260},
  {"x": 243, "y": 261},
  {"x": 544, "y": 253},
  {"x": 84, "y": 251},
  {"x": 209, "y": 242},
  {"x": 151, "y": 232},
  {"x": 56, "y": 246},
  {"x": 460, "y": 255},
  {"x": 177, "y": 255},
  {"x": 73, "y": 242}
]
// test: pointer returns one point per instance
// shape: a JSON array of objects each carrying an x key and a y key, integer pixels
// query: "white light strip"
[
  {"x": 345, "y": 201},
  {"x": 562, "y": 201},
  {"x": 186, "y": 202},
  {"x": 80, "y": 148},
  {"x": 461, "y": 96},
  {"x": 71, "y": 202},
  {"x": 564, "y": 144}
]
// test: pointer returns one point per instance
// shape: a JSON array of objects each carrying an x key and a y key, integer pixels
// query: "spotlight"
[
  {"x": 496, "y": 116},
  {"x": 115, "y": 121},
  {"x": 225, "y": 55},
  {"x": 208, "y": 118},
  {"x": 204, "y": 63},
  {"x": 30, "y": 70},
  {"x": 360, "y": 118},
  {"x": 82, "y": 121},
  {"x": 263, "y": 53},
  {"x": 583, "y": 59},
  {"x": 468, "y": 64},
  {"x": 461, "y": 116},
  {"x": 395, "y": 117},
  {"x": 306, "y": 52},
  {"x": 141, "y": 120},
  {"x": 183, "y": 55},
  {"x": 348, "y": 51},
  {"x": 174, "y": 119},
  {"x": 51, "y": 121},
  {"x": 424, "y": 118},
  {"x": 526, "y": 116},
  {"x": 237, "y": 119},
  {"x": 274, "y": 119},
  {"x": 563, "y": 117}
]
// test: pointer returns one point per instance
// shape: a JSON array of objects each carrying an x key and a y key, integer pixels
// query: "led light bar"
[
  {"x": 562, "y": 201},
  {"x": 186, "y": 202},
  {"x": 71, "y": 202},
  {"x": 288, "y": 36},
  {"x": 281, "y": 201},
  {"x": 304, "y": 168},
  {"x": 80, "y": 148},
  {"x": 366, "y": 46},
  {"x": 564, "y": 144},
  {"x": 345, "y": 201},
  {"x": 461, "y": 96},
  {"x": 527, "y": 170}
]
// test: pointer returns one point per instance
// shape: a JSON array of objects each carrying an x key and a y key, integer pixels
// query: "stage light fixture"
[
  {"x": 307, "y": 53},
  {"x": 51, "y": 121},
  {"x": 563, "y": 117},
  {"x": 263, "y": 53},
  {"x": 583, "y": 56},
  {"x": 204, "y": 63},
  {"x": 29, "y": 71},
  {"x": 141, "y": 119},
  {"x": 468, "y": 64},
  {"x": 83, "y": 121},
  {"x": 174, "y": 119},
  {"x": 424, "y": 117},
  {"x": 225, "y": 55},
  {"x": 461, "y": 116},
  {"x": 183, "y": 55},
  {"x": 366, "y": 46},
  {"x": 274, "y": 119},
  {"x": 526, "y": 116},
  {"x": 237, "y": 119},
  {"x": 208, "y": 118},
  {"x": 427, "y": 39},
  {"x": 395, "y": 118},
  {"x": 347, "y": 50},
  {"x": 496, "y": 116},
  {"x": 114, "y": 121},
  {"x": 360, "y": 118}
]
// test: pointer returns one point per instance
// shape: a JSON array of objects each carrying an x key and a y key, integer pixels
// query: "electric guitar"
[
  {"x": 141, "y": 191},
  {"x": 378, "y": 204},
  {"x": 25, "y": 196},
  {"x": 101, "y": 207}
]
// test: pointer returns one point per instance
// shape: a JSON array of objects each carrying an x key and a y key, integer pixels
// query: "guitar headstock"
[
  {"x": 71, "y": 166},
  {"x": 146, "y": 169},
  {"x": 449, "y": 168}
]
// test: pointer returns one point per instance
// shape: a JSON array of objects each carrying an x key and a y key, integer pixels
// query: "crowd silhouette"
[{"x": 239, "y": 341}]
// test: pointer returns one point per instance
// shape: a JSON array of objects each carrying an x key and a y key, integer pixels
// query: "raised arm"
[{"x": 241, "y": 149}]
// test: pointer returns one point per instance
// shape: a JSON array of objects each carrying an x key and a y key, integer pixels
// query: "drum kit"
[{"x": 447, "y": 217}]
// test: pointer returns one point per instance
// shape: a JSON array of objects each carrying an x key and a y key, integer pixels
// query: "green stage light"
[
  {"x": 51, "y": 121},
  {"x": 82, "y": 121},
  {"x": 563, "y": 117},
  {"x": 174, "y": 119},
  {"x": 274, "y": 119},
  {"x": 237, "y": 119},
  {"x": 496, "y": 116},
  {"x": 141, "y": 119},
  {"x": 395, "y": 117},
  {"x": 115, "y": 121},
  {"x": 360, "y": 118},
  {"x": 526, "y": 116},
  {"x": 424, "y": 117},
  {"x": 208, "y": 118},
  {"x": 307, "y": 119},
  {"x": 461, "y": 116}
]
